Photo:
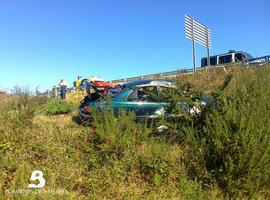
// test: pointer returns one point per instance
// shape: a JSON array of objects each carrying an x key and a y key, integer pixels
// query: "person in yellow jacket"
[{"x": 77, "y": 83}]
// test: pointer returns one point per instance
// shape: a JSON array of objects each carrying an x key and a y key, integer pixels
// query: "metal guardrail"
[
  {"x": 150, "y": 76},
  {"x": 165, "y": 75},
  {"x": 176, "y": 73},
  {"x": 172, "y": 74},
  {"x": 261, "y": 59}
]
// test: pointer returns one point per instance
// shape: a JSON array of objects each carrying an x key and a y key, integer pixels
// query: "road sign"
[{"x": 197, "y": 33}]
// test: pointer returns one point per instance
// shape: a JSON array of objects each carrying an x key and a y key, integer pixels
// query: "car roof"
[{"x": 154, "y": 82}]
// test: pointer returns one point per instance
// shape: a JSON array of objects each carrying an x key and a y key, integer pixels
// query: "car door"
[{"x": 144, "y": 101}]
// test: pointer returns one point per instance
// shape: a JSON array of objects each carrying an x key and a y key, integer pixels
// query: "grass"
[
  {"x": 125, "y": 162},
  {"x": 56, "y": 107},
  {"x": 222, "y": 154}
]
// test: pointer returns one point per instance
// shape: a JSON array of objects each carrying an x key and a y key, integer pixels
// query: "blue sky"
[{"x": 42, "y": 41}]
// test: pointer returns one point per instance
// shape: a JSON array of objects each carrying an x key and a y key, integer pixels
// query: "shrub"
[
  {"x": 228, "y": 144},
  {"x": 116, "y": 135},
  {"x": 191, "y": 190},
  {"x": 57, "y": 106},
  {"x": 234, "y": 138},
  {"x": 155, "y": 162},
  {"x": 179, "y": 103}
]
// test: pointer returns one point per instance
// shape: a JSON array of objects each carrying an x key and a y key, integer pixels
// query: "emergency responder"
[
  {"x": 63, "y": 89},
  {"x": 78, "y": 82}
]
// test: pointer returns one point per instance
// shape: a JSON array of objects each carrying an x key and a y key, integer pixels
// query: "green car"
[{"x": 142, "y": 97}]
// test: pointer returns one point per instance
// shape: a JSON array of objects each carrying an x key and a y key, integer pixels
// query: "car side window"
[
  {"x": 133, "y": 96},
  {"x": 145, "y": 94},
  {"x": 148, "y": 94},
  {"x": 225, "y": 59}
]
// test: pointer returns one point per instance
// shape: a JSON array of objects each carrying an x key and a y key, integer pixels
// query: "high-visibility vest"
[{"x": 78, "y": 83}]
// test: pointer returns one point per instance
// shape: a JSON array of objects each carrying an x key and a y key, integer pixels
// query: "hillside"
[{"x": 224, "y": 153}]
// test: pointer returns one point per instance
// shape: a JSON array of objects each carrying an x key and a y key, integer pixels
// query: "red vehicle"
[
  {"x": 100, "y": 84},
  {"x": 104, "y": 84}
]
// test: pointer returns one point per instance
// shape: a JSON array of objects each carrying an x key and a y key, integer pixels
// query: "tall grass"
[
  {"x": 223, "y": 152},
  {"x": 232, "y": 141},
  {"x": 56, "y": 106},
  {"x": 117, "y": 135},
  {"x": 115, "y": 158}
]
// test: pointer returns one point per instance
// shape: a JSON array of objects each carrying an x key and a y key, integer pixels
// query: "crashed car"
[{"x": 142, "y": 97}]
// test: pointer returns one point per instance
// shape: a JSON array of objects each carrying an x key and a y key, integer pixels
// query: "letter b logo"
[{"x": 37, "y": 175}]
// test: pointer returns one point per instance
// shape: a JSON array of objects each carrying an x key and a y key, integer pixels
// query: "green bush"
[
  {"x": 156, "y": 162},
  {"x": 234, "y": 138},
  {"x": 221, "y": 153},
  {"x": 116, "y": 135},
  {"x": 57, "y": 106},
  {"x": 192, "y": 190}
]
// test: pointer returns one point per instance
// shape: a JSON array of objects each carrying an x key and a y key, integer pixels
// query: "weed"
[{"x": 57, "y": 106}]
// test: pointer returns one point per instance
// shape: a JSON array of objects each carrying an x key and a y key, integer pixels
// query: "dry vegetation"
[{"x": 122, "y": 159}]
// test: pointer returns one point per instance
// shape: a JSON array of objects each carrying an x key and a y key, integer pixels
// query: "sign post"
[
  {"x": 193, "y": 48},
  {"x": 198, "y": 33}
]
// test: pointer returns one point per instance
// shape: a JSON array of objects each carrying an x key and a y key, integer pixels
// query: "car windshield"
[{"x": 249, "y": 56}]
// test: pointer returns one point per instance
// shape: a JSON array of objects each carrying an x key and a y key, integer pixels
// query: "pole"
[
  {"x": 193, "y": 48},
  {"x": 208, "y": 58},
  {"x": 208, "y": 53},
  {"x": 194, "y": 56}
]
